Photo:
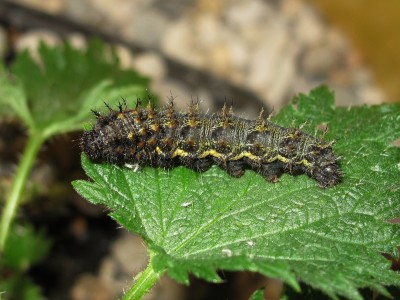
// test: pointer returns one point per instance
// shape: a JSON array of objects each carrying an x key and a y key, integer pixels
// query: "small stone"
[
  {"x": 179, "y": 43},
  {"x": 344, "y": 96},
  {"x": 207, "y": 102},
  {"x": 150, "y": 64},
  {"x": 309, "y": 29},
  {"x": 130, "y": 253},
  {"x": 50, "y": 6},
  {"x": 291, "y": 8},
  {"x": 85, "y": 13},
  {"x": 118, "y": 12},
  {"x": 220, "y": 60},
  {"x": 362, "y": 76},
  {"x": 210, "y": 7},
  {"x": 272, "y": 70},
  {"x": 242, "y": 13},
  {"x": 319, "y": 61},
  {"x": 336, "y": 40},
  {"x": 77, "y": 40},
  {"x": 208, "y": 31},
  {"x": 125, "y": 56},
  {"x": 88, "y": 286},
  {"x": 370, "y": 94},
  {"x": 32, "y": 39},
  {"x": 147, "y": 28},
  {"x": 175, "y": 89},
  {"x": 108, "y": 270}
]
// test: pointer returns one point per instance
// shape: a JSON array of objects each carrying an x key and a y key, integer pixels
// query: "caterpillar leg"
[
  {"x": 199, "y": 165},
  {"x": 271, "y": 171},
  {"x": 166, "y": 163},
  {"x": 235, "y": 168}
]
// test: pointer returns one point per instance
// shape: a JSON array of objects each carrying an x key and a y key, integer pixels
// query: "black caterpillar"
[{"x": 166, "y": 138}]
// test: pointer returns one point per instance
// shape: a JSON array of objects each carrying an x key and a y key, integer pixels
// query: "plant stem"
[
  {"x": 35, "y": 141},
  {"x": 144, "y": 281}
]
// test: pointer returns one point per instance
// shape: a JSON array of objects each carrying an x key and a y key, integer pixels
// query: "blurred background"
[
  {"x": 271, "y": 50},
  {"x": 255, "y": 53}
]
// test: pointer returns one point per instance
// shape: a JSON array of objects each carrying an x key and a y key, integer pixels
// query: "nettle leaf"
[
  {"x": 25, "y": 247},
  {"x": 258, "y": 295},
  {"x": 329, "y": 238},
  {"x": 55, "y": 94}
]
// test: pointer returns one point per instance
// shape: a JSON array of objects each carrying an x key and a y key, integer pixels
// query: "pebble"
[
  {"x": 319, "y": 61},
  {"x": 124, "y": 55},
  {"x": 272, "y": 48},
  {"x": 88, "y": 286},
  {"x": 371, "y": 95},
  {"x": 128, "y": 257},
  {"x": 32, "y": 39},
  {"x": 343, "y": 97},
  {"x": 173, "y": 46},
  {"x": 147, "y": 28},
  {"x": 129, "y": 253},
  {"x": 168, "y": 88},
  {"x": 243, "y": 13},
  {"x": 309, "y": 29},
  {"x": 150, "y": 64},
  {"x": 77, "y": 40},
  {"x": 50, "y": 6}
]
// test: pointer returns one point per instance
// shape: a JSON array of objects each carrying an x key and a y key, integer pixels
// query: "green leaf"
[
  {"x": 293, "y": 230},
  {"x": 13, "y": 97},
  {"x": 55, "y": 94},
  {"x": 25, "y": 247},
  {"x": 258, "y": 295},
  {"x": 19, "y": 287}
]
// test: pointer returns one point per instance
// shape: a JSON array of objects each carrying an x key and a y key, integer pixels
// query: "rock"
[
  {"x": 319, "y": 61},
  {"x": 85, "y": 13},
  {"x": 89, "y": 286},
  {"x": 32, "y": 39},
  {"x": 344, "y": 96},
  {"x": 371, "y": 95},
  {"x": 77, "y": 40},
  {"x": 308, "y": 28},
  {"x": 273, "y": 66},
  {"x": 175, "y": 89},
  {"x": 150, "y": 64},
  {"x": 178, "y": 43},
  {"x": 50, "y": 6},
  {"x": 243, "y": 13},
  {"x": 129, "y": 253},
  {"x": 291, "y": 8},
  {"x": 125, "y": 56},
  {"x": 117, "y": 12},
  {"x": 270, "y": 47},
  {"x": 146, "y": 27}
]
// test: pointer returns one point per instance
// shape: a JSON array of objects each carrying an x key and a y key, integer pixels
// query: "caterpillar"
[{"x": 145, "y": 136}]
